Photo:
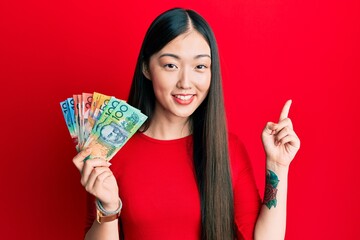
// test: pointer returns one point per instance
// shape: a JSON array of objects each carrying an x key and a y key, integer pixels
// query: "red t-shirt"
[{"x": 159, "y": 193}]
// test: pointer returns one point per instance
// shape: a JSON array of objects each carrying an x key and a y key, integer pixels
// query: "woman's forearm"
[
  {"x": 271, "y": 223},
  {"x": 103, "y": 231}
]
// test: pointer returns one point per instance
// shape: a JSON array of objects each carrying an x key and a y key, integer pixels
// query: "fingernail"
[
  {"x": 88, "y": 150},
  {"x": 109, "y": 163}
]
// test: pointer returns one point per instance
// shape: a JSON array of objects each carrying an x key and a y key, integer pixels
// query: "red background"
[{"x": 270, "y": 51}]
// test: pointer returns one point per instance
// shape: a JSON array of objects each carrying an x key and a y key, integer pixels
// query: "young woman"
[{"x": 183, "y": 176}]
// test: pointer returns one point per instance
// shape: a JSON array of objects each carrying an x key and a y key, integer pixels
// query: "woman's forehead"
[{"x": 188, "y": 44}]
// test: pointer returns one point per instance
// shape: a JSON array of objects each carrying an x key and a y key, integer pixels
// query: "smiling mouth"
[{"x": 184, "y": 97}]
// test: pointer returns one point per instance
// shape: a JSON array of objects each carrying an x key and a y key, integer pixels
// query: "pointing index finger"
[{"x": 285, "y": 111}]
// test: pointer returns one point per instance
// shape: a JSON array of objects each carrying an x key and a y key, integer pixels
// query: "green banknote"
[
  {"x": 112, "y": 133},
  {"x": 109, "y": 108},
  {"x": 101, "y": 122}
]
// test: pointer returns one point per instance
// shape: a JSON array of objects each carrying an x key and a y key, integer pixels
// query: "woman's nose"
[{"x": 184, "y": 81}]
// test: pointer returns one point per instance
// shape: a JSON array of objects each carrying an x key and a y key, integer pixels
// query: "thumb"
[{"x": 269, "y": 128}]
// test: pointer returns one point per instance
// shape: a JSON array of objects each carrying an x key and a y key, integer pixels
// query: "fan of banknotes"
[{"x": 103, "y": 123}]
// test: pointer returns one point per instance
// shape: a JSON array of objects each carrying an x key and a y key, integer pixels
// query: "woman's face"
[{"x": 181, "y": 74}]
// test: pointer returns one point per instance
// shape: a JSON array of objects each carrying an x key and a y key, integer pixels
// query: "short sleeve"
[{"x": 247, "y": 201}]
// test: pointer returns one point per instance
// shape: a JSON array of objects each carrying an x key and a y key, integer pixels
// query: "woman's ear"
[{"x": 145, "y": 71}]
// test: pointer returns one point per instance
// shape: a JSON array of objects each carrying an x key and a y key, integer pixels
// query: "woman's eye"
[
  {"x": 170, "y": 66},
  {"x": 201, "y": 67}
]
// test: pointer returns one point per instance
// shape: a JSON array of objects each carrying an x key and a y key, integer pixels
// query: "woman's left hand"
[{"x": 279, "y": 139}]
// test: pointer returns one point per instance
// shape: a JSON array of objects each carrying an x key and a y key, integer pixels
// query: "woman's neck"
[{"x": 164, "y": 128}]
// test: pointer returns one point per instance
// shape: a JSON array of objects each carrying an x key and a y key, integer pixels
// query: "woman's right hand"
[{"x": 98, "y": 179}]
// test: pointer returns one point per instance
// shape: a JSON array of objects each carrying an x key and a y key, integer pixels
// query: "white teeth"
[{"x": 182, "y": 97}]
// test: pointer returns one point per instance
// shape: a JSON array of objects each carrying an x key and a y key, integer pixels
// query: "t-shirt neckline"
[{"x": 162, "y": 141}]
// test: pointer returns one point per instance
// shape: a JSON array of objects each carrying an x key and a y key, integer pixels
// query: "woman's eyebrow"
[
  {"x": 202, "y": 55},
  {"x": 169, "y": 55},
  {"x": 177, "y": 57}
]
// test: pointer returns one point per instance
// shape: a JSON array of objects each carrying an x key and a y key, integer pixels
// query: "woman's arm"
[
  {"x": 281, "y": 145},
  {"x": 103, "y": 231},
  {"x": 99, "y": 181},
  {"x": 271, "y": 223}
]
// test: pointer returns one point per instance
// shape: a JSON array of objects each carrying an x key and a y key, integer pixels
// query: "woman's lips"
[{"x": 184, "y": 99}]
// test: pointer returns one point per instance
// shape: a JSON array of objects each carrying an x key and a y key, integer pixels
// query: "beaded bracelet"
[{"x": 100, "y": 207}]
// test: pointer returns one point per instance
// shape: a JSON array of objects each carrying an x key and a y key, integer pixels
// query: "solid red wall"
[{"x": 270, "y": 51}]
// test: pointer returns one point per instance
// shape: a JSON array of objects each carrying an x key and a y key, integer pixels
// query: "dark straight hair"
[{"x": 210, "y": 142}]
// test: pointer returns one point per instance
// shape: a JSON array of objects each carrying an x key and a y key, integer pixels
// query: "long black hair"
[{"x": 208, "y": 123}]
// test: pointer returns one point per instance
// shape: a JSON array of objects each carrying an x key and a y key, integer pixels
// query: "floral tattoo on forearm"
[{"x": 271, "y": 189}]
